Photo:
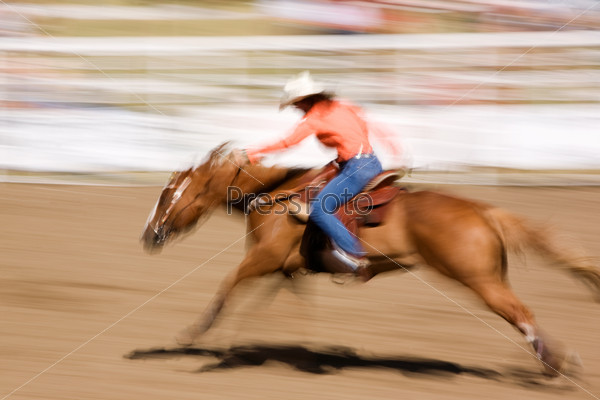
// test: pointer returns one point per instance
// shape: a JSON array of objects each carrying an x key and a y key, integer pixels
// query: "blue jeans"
[{"x": 355, "y": 174}]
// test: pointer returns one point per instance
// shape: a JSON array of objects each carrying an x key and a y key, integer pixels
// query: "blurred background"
[{"x": 130, "y": 89}]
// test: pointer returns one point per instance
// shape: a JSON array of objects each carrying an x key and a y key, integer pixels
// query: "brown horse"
[{"x": 465, "y": 240}]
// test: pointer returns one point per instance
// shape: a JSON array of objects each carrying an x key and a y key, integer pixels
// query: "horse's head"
[{"x": 188, "y": 196}]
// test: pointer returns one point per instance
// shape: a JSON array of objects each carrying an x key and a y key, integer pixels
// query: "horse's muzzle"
[{"x": 154, "y": 240}]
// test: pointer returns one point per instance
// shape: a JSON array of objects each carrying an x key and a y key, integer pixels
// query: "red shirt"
[{"x": 335, "y": 124}]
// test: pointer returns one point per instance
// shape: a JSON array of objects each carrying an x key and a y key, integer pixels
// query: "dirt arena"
[{"x": 86, "y": 314}]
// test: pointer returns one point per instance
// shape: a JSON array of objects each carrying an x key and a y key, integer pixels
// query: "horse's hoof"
[
  {"x": 570, "y": 365},
  {"x": 186, "y": 337},
  {"x": 555, "y": 362}
]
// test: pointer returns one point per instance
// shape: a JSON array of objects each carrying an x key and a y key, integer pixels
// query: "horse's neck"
[{"x": 256, "y": 179}]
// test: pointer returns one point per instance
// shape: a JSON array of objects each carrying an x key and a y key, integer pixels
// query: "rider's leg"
[{"x": 356, "y": 173}]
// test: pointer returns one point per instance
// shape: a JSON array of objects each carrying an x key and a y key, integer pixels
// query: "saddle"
[{"x": 367, "y": 208}]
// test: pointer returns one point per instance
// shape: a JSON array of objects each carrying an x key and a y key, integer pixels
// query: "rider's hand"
[{"x": 239, "y": 157}]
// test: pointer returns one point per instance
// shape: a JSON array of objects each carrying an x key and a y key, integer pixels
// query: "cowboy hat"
[{"x": 298, "y": 88}]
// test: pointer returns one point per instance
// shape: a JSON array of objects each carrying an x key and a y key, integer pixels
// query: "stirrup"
[
  {"x": 349, "y": 260},
  {"x": 358, "y": 267}
]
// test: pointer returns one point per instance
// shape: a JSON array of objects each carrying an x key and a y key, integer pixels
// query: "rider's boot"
[{"x": 360, "y": 267}]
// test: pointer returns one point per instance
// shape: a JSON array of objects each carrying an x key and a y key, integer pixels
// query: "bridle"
[{"x": 158, "y": 228}]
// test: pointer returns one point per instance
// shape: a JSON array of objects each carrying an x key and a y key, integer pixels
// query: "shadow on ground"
[{"x": 327, "y": 360}]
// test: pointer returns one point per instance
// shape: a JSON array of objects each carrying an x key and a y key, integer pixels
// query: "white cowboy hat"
[{"x": 298, "y": 88}]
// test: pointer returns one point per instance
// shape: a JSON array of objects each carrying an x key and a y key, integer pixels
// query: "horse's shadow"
[
  {"x": 330, "y": 359},
  {"x": 323, "y": 361}
]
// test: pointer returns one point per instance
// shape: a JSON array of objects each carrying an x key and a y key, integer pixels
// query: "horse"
[{"x": 465, "y": 240}]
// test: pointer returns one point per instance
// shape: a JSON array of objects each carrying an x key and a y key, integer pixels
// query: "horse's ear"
[{"x": 220, "y": 150}]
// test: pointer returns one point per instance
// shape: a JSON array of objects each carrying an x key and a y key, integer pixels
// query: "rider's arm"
[{"x": 301, "y": 132}]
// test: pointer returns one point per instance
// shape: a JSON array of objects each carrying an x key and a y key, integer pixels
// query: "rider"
[{"x": 342, "y": 126}]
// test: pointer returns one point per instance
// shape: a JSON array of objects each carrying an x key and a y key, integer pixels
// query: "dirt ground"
[{"x": 86, "y": 314}]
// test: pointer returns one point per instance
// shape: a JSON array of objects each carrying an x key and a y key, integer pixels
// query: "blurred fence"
[
  {"x": 528, "y": 67},
  {"x": 202, "y": 90}
]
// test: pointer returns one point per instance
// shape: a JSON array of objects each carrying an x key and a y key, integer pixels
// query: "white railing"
[
  {"x": 441, "y": 93},
  {"x": 390, "y": 69}
]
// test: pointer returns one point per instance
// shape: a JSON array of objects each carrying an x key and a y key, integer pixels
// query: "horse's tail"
[{"x": 517, "y": 235}]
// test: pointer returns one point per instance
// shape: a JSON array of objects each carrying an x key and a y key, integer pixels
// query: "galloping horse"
[{"x": 465, "y": 240}]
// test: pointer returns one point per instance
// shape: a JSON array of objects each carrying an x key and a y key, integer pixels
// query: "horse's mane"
[
  {"x": 271, "y": 185},
  {"x": 281, "y": 173},
  {"x": 291, "y": 172}
]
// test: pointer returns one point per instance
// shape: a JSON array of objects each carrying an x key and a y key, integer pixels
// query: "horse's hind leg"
[{"x": 502, "y": 300}]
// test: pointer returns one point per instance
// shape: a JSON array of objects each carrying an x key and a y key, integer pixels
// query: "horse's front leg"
[{"x": 261, "y": 260}]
